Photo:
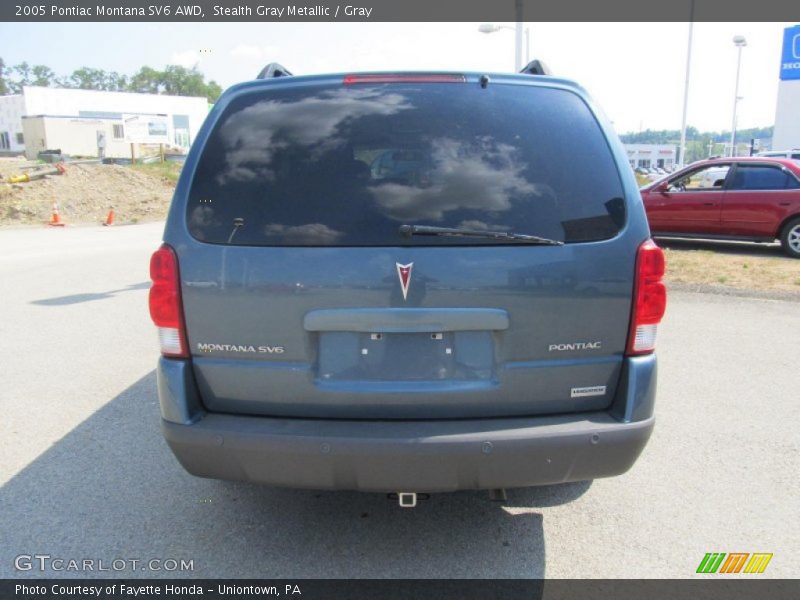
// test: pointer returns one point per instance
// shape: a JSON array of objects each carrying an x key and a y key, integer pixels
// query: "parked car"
[
  {"x": 793, "y": 154},
  {"x": 653, "y": 174},
  {"x": 492, "y": 327},
  {"x": 751, "y": 199}
]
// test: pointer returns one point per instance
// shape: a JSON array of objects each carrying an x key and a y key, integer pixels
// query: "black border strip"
[
  {"x": 403, "y": 10},
  {"x": 709, "y": 587}
]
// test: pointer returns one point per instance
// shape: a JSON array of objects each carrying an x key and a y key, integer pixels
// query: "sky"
[{"x": 635, "y": 71}]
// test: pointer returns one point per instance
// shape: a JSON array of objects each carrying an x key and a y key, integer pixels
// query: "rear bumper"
[
  {"x": 418, "y": 456},
  {"x": 414, "y": 456}
]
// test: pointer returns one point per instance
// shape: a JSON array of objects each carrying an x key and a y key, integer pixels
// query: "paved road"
[{"x": 86, "y": 474}]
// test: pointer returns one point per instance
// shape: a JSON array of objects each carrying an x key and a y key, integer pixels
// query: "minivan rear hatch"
[{"x": 357, "y": 249}]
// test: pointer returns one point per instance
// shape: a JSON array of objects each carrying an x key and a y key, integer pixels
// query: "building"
[
  {"x": 95, "y": 123},
  {"x": 651, "y": 155},
  {"x": 787, "y": 113},
  {"x": 11, "y": 110}
]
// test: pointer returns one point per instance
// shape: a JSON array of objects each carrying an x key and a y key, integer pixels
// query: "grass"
[
  {"x": 764, "y": 271},
  {"x": 167, "y": 171},
  {"x": 642, "y": 180}
]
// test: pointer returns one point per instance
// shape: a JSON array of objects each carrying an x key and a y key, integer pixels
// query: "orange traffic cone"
[
  {"x": 55, "y": 220},
  {"x": 109, "y": 218}
]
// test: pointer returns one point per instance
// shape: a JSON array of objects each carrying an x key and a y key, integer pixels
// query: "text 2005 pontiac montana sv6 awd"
[{"x": 407, "y": 282}]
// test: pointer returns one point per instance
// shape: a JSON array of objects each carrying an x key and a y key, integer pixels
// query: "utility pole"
[
  {"x": 518, "y": 37},
  {"x": 682, "y": 160},
  {"x": 740, "y": 42}
]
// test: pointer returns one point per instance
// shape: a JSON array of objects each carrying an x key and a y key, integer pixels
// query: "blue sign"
[{"x": 790, "y": 59}]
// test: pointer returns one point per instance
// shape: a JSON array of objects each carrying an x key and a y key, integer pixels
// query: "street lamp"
[
  {"x": 492, "y": 27},
  {"x": 740, "y": 42},
  {"x": 682, "y": 160}
]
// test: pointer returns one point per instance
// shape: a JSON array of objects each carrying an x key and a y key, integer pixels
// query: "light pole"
[
  {"x": 527, "y": 45},
  {"x": 491, "y": 28},
  {"x": 740, "y": 42},
  {"x": 682, "y": 160}
]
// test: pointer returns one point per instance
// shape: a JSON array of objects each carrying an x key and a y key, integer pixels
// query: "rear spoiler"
[
  {"x": 536, "y": 67},
  {"x": 274, "y": 70}
]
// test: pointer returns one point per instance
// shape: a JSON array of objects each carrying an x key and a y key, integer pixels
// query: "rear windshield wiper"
[{"x": 411, "y": 230}]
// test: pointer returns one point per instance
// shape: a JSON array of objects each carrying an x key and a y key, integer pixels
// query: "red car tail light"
[
  {"x": 649, "y": 299},
  {"x": 166, "y": 308}
]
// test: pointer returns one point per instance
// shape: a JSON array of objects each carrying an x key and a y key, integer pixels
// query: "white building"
[
  {"x": 11, "y": 110},
  {"x": 72, "y": 120},
  {"x": 651, "y": 155},
  {"x": 787, "y": 113}
]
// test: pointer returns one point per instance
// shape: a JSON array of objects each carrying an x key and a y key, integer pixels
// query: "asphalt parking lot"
[{"x": 85, "y": 473}]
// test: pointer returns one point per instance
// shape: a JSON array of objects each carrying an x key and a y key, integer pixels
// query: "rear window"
[
  {"x": 756, "y": 177},
  {"x": 348, "y": 165}
]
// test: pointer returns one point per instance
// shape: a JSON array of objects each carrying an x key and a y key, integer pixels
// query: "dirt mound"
[{"x": 85, "y": 194}]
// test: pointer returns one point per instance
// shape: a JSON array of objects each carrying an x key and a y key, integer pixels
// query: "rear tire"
[{"x": 790, "y": 238}]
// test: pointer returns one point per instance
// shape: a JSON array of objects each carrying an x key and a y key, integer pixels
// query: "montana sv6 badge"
[
  {"x": 404, "y": 273},
  {"x": 245, "y": 349}
]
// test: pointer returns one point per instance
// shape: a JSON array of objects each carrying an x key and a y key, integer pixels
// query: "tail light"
[
  {"x": 649, "y": 299},
  {"x": 166, "y": 308}
]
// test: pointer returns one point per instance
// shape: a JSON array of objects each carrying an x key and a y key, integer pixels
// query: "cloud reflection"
[
  {"x": 252, "y": 136},
  {"x": 309, "y": 234},
  {"x": 480, "y": 175}
]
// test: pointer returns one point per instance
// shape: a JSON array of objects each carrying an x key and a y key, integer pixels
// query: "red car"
[{"x": 753, "y": 199}]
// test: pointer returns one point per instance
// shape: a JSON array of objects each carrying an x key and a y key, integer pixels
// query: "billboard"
[
  {"x": 790, "y": 58},
  {"x": 146, "y": 129}
]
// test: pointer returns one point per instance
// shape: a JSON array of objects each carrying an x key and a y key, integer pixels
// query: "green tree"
[
  {"x": 174, "y": 79},
  {"x": 43, "y": 76},
  {"x": 116, "y": 82},
  {"x": 87, "y": 78},
  {"x": 673, "y": 136},
  {"x": 146, "y": 81},
  {"x": 213, "y": 91},
  {"x": 22, "y": 73},
  {"x": 180, "y": 81},
  {"x": 4, "y": 89}
]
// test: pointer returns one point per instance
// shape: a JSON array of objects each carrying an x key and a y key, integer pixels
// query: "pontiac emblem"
[{"x": 404, "y": 273}]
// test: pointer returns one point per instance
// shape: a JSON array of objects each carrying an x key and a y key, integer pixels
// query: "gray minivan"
[{"x": 472, "y": 313}]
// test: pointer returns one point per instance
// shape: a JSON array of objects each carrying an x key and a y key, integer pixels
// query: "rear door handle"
[{"x": 709, "y": 203}]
